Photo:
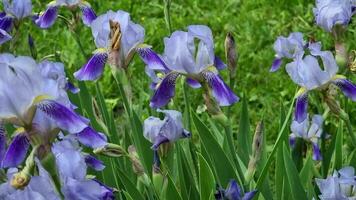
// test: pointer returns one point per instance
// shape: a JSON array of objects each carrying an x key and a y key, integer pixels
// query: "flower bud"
[
  {"x": 214, "y": 109},
  {"x": 353, "y": 63},
  {"x": 32, "y": 46},
  {"x": 136, "y": 164},
  {"x": 111, "y": 150},
  {"x": 230, "y": 53},
  {"x": 256, "y": 151},
  {"x": 20, "y": 180},
  {"x": 333, "y": 104},
  {"x": 341, "y": 56}
]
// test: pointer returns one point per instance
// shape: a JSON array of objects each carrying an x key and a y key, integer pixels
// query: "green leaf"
[
  {"x": 243, "y": 136},
  {"x": 129, "y": 186},
  {"x": 206, "y": 179},
  {"x": 127, "y": 195},
  {"x": 172, "y": 191},
  {"x": 353, "y": 159},
  {"x": 295, "y": 184},
  {"x": 338, "y": 147},
  {"x": 223, "y": 166}
]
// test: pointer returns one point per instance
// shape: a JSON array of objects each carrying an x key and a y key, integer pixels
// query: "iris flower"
[
  {"x": 306, "y": 71},
  {"x": 341, "y": 185},
  {"x": 170, "y": 129},
  {"x": 116, "y": 38},
  {"x": 233, "y": 192},
  {"x": 47, "y": 18},
  {"x": 329, "y": 13},
  {"x": 189, "y": 54},
  {"x": 14, "y": 10},
  {"x": 35, "y": 101},
  {"x": 309, "y": 131}
]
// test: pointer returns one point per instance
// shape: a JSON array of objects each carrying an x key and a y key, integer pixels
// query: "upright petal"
[
  {"x": 93, "y": 69},
  {"x": 301, "y": 107},
  {"x": 347, "y": 87},
  {"x": 19, "y": 8},
  {"x": 88, "y": 14},
  {"x": 165, "y": 91},
  {"x": 221, "y": 92},
  {"x": 94, "y": 163},
  {"x": 48, "y": 17},
  {"x": 91, "y": 138},
  {"x": 16, "y": 152},
  {"x": 4, "y": 37},
  {"x": 65, "y": 118}
]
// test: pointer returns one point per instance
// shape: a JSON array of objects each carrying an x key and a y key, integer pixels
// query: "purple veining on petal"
[
  {"x": 347, "y": 87},
  {"x": 93, "y": 69},
  {"x": 151, "y": 58},
  {"x": 65, "y": 118},
  {"x": 89, "y": 137},
  {"x": 301, "y": 107},
  {"x": 193, "y": 83},
  {"x": 221, "y": 92},
  {"x": 47, "y": 18},
  {"x": 16, "y": 152},
  {"x": 276, "y": 64},
  {"x": 165, "y": 91},
  {"x": 88, "y": 14},
  {"x": 219, "y": 64},
  {"x": 316, "y": 152},
  {"x": 4, "y": 36},
  {"x": 94, "y": 163},
  {"x": 6, "y": 23}
]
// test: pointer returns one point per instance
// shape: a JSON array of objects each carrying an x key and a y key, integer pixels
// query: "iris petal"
[
  {"x": 165, "y": 91},
  {"x": 93, "y": 69},
  {"x": 233, "y": 191},
  {"x": 94, "y": 163},
  {"x": 47, "y": 19},
  {"x": 193, "y": 83},
  {"x": 301, "y": 107},
  {"x": 88, "y": 14},
  {"x": 316, "y": 152},
  {"x": 2, "y": 142},
  {"x": 16, "y": 152},
  {"x": 91, "y": 138},
  {"x": 276, "y": 64},
  {"x": 348, "y": 88},
  {"x": 6, "y": 23},
  {"x": 72, "y": 88},
  {"x": 160, "y": 139},
  {"x": 65, "y": 118},
  {"x": 221, "y": 92},
  {"x": 151, "y": 58},
  {"x": 219, "y": 64},
  {"x": 4, "y": 36},
  {"x": 249, "y": 195}
]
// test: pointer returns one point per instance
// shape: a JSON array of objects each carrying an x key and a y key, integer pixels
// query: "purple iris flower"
[
  {"x": 39, "y": 187},
  {"x": 183, "y": 57},
  {"x": 341, "y": 185},
  {"x": 47, "y": 18},
  {"x": 233, "y": 192},
  {"x": 306, "y": 71},
  {"x": 329, "y": 13},
  {"x": 14, "y": 10},
  {"x": 116, "y": 38},
  {"x": 72, "y": 167},
  {"x": 309, "y": 131},
  {"x": 39, "y": 106},
  {"x": 170, "y": 129}
]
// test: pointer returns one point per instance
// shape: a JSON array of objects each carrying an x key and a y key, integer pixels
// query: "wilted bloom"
[
  {"x": 341, "y": 185},
  {"x": 310, "y": 131},
  {"x": 116, "y": 38},
  {"x": 190, "y": 54},
  {"x": 233, "y": 192},
  {"x": 329, "y": 13},
  {"x": 306, "y": 71},
  {"x": 170, "y": 129},
  {"x": 47, "y": 18},
  {"x": 34, "y": 99},
  {"x": 14, "y": 10}
]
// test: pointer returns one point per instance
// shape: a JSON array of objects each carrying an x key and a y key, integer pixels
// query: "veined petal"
[
  {"x": 88, "y": 14},
  {"x": 316, "y": 152},
  {"x": 193, "y": 83},
  {"x": 219, "y": 64},
  {"x": 65, "y": 118},
  {"x": 16, "y": 152},
  {"x": 276, "y": 64},
  {"x": 93, "y": 69},
  {"x": 347, "y": 87},
  {"x": 6, "y": 23},
  {"x": 48, "y": 17},
  {"x": 160, "y": 139},
  {"x": 2, "y": 142},
  {"x": 150, "y": 58},
  {"x": 221, "y": 92},
  {"x": 4, "y": 36},
  {"x": 94, "y": 163},
  {"x": 89, "y": 137},
  {"x": 301, "y": 107},
  {"x": 165, "y": 91}
]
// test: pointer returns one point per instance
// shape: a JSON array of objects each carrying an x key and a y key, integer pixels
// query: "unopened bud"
[
  {"x": 111, "y": 150},
  {"x": 20, "y": 180},
  {"x": 352, "y": 65},
  {"x": 341, "y": 56},
  {"x": 32, "y": 46},
  {"x": 256, "y": 151},
  {"x": 333, "y": 104},
  {"x": 136, "y": 164},
  {"x": 230, "y": 53}
]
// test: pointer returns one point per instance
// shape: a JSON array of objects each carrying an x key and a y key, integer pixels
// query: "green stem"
[
  {"x": 167, "y": 14},
  {"x": 351, "y": 133}
]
